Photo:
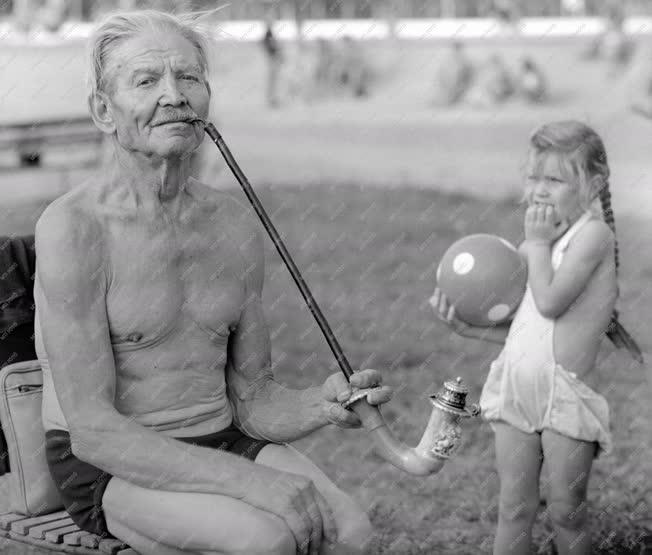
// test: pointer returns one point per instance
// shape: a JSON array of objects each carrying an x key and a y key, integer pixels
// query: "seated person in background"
[
  {"x": 493, "y": 85},
  {"x": 454, "y": 76},
  {"x": 530, "y": 82},
  {"x": 164, "y": 425}
]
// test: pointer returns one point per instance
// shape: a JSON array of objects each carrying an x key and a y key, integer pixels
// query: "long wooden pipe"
[{"x": 441, "y": 436}]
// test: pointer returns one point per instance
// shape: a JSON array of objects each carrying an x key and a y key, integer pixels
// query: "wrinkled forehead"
[{"x": 152, "y": 51}]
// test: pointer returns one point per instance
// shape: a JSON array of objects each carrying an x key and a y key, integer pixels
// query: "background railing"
[{"x": 347, "y": 9}]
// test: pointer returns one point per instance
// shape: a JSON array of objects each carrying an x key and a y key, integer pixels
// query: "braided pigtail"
[{"x": 615, "y": 331}]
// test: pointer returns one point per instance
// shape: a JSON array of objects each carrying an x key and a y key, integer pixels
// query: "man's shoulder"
[{"x": 69, "y": 219}]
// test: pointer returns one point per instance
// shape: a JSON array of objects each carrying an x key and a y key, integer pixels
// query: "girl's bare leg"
[
  {"x": 518, "y": 460},
  {"x": 569, "y": 464}
]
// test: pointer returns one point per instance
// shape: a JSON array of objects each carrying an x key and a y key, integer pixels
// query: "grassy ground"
[{"x": 369, "y": 256}]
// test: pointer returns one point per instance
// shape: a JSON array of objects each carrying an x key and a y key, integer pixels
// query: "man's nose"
[{"x": 171, "y": 95}]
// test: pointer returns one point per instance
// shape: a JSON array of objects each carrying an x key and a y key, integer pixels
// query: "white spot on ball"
[
  {"x": 498, "y": 312},
  {"x": 438, "y": 275},
  {"x": 463, "y": 263}
]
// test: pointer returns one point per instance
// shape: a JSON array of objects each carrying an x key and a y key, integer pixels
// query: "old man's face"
[{"x": 155, "y": 86}]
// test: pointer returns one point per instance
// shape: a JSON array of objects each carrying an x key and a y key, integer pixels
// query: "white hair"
[{"x": 121, "y": 26}]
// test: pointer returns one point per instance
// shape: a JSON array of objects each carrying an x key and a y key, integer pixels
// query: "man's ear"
[{"x": 100, "y": 109}]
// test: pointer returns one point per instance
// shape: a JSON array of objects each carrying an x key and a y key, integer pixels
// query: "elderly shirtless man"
[{"x": 164, "y": 425}]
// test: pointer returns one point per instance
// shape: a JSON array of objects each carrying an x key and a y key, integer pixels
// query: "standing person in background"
[
  {"x": 274, "y": 60},
  {"x": 454, "y": 75},
  {"x": 536, "y": 396}
]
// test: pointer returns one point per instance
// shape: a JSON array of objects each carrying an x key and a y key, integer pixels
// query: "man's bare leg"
[
  {"x": 191, "y": 523},
  {"x": 144, "y": 545},
  {"x": 353, "y": 526},
  {"x": 203, "y": 523}
]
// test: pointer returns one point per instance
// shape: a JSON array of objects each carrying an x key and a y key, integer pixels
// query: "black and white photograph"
[{"x": 326, "y": 277}]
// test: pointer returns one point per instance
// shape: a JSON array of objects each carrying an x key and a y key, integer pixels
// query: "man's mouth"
[{"x": 187, "y": 121}]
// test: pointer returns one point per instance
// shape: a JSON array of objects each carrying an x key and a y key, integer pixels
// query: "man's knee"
[
  {"x": 568, "y": 512},
  {"x": 271, "y": 535}
]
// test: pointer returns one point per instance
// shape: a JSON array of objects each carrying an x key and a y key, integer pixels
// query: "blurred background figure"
[
  {"x": 341, "y": 67},
  {"x": 612, "y": 45},
  {"x": 493, "y": 85},
  {"x": 274, "y": 58},
  {"x": 639, "y": 82},
  {"x": 507, "y": 13},
  {"x": 355, "y": 72},
  {"x": 296, "y": 75},
  {"x": 454, "y": 76},
  {"x": 324, "y": 74},
  {"x": 530, "y": 81},
  {"x": 53, "y": 14},
  {"x": 616, "y": 46}
]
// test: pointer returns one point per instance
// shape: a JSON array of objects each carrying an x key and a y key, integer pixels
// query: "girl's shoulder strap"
[{"x": 562, "y": 244}]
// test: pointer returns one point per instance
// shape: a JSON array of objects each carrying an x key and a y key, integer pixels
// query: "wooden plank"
[
  {"x": 22, "y": 139},
  {"x": 8, "y": 518},
  {"x": 51, "y": 547},
  {"x": 74, "y": 538},
  {"x": 127, "y": 551},
  {"x": 23, "y": 526},
  {"x": 90, "y": 541},
  {"x": 111, "y": 546},
  {"x": 56, "y": 536},
  {"x": 39, "y": 531}
]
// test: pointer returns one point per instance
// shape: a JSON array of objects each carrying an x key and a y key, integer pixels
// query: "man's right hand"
[
  {"x": 446, "y": 312},
  {"x": 296, "y": 500}
]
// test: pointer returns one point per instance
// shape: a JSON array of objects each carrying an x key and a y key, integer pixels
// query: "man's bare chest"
[{"x": 160, "y": 277}]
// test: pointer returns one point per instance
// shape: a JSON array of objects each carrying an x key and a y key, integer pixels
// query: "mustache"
[{"x": 169, "y": 117}]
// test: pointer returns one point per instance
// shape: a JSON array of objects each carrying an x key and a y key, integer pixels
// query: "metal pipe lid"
[{"x": 452, "y": 399}]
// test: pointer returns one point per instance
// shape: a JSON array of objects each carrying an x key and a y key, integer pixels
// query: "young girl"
[{"x": 535, "y": 396}]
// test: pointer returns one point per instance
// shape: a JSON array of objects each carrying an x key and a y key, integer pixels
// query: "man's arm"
[
  {"x": 264, "y": 408},
  {"x": 73, "y": 282}
]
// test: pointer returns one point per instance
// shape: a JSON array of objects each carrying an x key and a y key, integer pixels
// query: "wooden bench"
[
  {"x": 30, "y": 509},
  {"x": 77, "y": 142},
  {"x": 57, "y": 532}
]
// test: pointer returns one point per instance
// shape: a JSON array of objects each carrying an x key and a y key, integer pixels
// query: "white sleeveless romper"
[{"x": 527, "y": 388}]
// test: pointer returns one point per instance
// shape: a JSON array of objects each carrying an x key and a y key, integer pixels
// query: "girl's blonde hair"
[
  {"x": 583, "y": 158},
  {"x": 118, "y": 27}
]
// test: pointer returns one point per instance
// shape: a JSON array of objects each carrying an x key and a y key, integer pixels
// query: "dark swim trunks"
[{"x": 82, "y": 485}]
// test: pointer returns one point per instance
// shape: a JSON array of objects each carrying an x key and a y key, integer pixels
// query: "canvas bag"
[{"x": 28, "y": 487}]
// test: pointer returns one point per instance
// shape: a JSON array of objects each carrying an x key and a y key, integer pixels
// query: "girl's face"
[{"x": 546, "y": 184}]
